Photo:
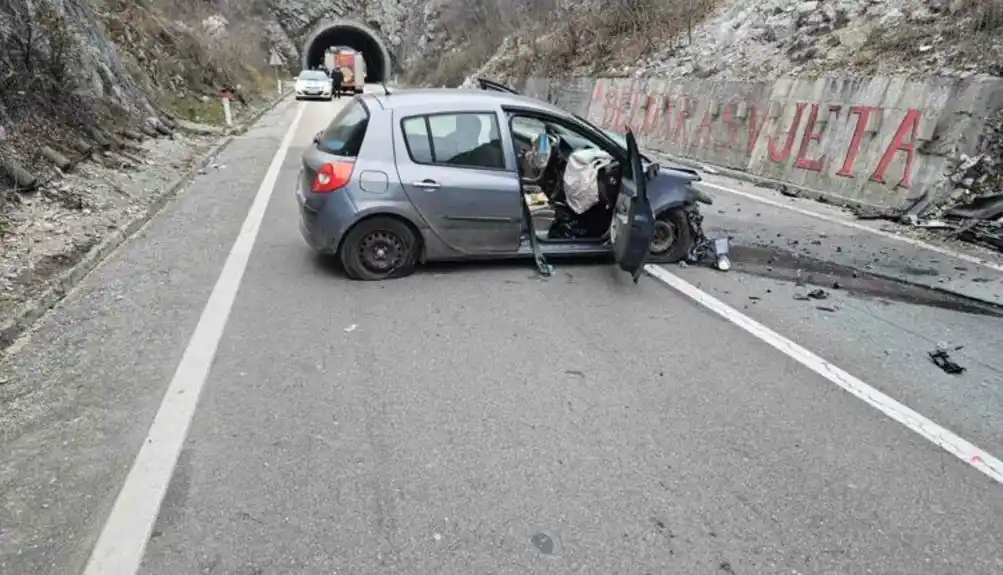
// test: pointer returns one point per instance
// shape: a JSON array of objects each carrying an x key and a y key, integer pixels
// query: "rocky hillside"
[
  {"x": 70, "y": 67},
  {"x": 743, "y": 40}
]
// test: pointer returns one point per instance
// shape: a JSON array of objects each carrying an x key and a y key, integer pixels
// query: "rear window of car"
[{"x": 345, "y": 133}]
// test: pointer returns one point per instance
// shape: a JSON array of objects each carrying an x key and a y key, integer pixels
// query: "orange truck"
[{"x": 353, "y": 69}]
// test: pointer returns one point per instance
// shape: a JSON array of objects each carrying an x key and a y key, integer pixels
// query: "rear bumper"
[{"x": 323, "y": 225}]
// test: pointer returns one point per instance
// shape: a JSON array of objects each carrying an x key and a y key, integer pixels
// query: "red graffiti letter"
[
  {"x": 598, "y": 95},
  {"x": 635, "y": 97},
  {"x": 791, "y": 134},
  {"x": 618, "y": 107},
  {"x": 810, "y": 135},
  {"x": 598, "y": 92},
  {"x": 732, "y": 126},
  {"x": 664, "y": 130},
  {"x": 610, "y": 110},
  {"x": 679, "y": 133},
  {"x": 863, "y": 116},
  {"x": 649, "y": 113},
  {"x": 706, "y": 127},
  {"x": 908, "y": 127},
  {"x": 625, "y": 110},
  {"x": 756, "y": 124}
]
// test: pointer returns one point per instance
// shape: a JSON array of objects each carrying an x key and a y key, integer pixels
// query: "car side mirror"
[{"x": 652, "y": 171}]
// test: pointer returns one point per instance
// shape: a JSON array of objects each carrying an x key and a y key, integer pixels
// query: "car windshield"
[
  {"x": 527, "y": 130},
  {"x": 313, "y": 75},
  {"x": 618, "y": 137}
]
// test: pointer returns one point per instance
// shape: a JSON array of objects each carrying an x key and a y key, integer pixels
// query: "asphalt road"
[{"x": 478, "y": 419}]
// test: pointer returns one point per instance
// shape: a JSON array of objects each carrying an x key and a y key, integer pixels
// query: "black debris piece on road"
[
  {"x": 942, "y": 360},
  {"x": 816, "y": 294},
  {"x": 784, "y": 189}
]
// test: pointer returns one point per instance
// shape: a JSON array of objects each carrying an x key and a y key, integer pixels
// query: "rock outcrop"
[{"x": 73, "y": 66}]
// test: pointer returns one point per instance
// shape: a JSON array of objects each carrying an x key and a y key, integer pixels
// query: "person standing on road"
[{"x": 337, "y": 76}]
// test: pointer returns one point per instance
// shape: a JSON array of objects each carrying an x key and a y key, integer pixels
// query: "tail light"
[{"x": 332, "y": 176}]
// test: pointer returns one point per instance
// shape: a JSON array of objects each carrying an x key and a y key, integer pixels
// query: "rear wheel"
[
  {"x": 379, "y": 248},
  {"x": 673, "y": 237}
]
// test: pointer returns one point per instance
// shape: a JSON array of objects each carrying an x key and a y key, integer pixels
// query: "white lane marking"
[
  {"x": 119, "y": 549},
  {"x": 947, "y": 440},
  {"x": 857, "y": 226}
]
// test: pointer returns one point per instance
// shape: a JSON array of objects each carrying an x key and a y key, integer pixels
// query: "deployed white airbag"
[{"x": 581, "y": 183}]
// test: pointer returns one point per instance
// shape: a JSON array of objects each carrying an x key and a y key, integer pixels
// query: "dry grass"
[
  {"x": 591, "y": 36},
  {"x": 41, "y": 100},
  {"x": 566, "y": 35},
  {"x": 986, "y": 16},
  {"x": 170, "y": 59},
  {"x": 447, "y": 69},
  {"x": 475, "y": 29},
  {"x": 968, "y": 38},
  {"x": 38, "y": 55},
  {"x": 181, "y": 56}
]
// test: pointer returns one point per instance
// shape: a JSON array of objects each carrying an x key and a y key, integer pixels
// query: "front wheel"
[
  {"x": 673, "y": 237},
  {"x": 379, "y": 248}
]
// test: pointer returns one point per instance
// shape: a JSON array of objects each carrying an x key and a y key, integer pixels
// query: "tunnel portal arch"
[{"x": 352, "y": 34}]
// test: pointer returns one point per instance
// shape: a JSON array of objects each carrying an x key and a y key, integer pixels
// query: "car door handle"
[{"x": 426, "y": 184}]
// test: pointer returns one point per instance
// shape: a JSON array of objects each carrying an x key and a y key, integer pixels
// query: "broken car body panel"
[{"x": 633, "y": 223}]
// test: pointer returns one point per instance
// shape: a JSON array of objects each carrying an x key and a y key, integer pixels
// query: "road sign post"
[
  {"x": 227, "y": 113},
  {"x": 276, "y": 62}
]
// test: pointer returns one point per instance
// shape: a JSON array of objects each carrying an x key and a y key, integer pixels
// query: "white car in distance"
[{"x": 313, "y": 84}]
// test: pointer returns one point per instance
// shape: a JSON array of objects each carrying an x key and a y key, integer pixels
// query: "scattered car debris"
[
  {"x": 971, "y": 212},
  {"x": 942, "y": 359},
  {"x": 789, "y": 191},
  {"x": 827, "y": 308},
  {"x": 717, "y": 249},
  {"x": 721, "y": 250}
]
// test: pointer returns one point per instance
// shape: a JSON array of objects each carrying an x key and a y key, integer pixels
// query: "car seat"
[{"x": 470, "y": 148}]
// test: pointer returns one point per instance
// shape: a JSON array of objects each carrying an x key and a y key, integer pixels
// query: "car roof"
[{"x": 436, "y": 98}]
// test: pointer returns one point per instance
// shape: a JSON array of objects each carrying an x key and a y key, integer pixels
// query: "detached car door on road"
[{"x": 457, "y": 170}]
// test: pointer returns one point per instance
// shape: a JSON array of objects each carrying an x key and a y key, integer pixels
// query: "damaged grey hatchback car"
[{"x": 453, "y": 174}]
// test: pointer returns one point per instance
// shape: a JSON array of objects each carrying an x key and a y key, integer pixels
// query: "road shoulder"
[
  {"x": 82, "y": 391},
  {"x": 68, "y": 232}
]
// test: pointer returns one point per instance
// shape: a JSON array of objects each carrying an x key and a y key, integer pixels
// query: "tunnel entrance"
[{"x": 352, "y": 35}]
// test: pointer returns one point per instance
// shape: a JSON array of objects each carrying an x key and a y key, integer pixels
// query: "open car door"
[
  {"x": 486, "y": 84},
  {"x": 633, "y": 223}
]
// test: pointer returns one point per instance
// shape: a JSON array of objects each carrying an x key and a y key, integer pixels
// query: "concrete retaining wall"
[{"x": 877, "y": 141}]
